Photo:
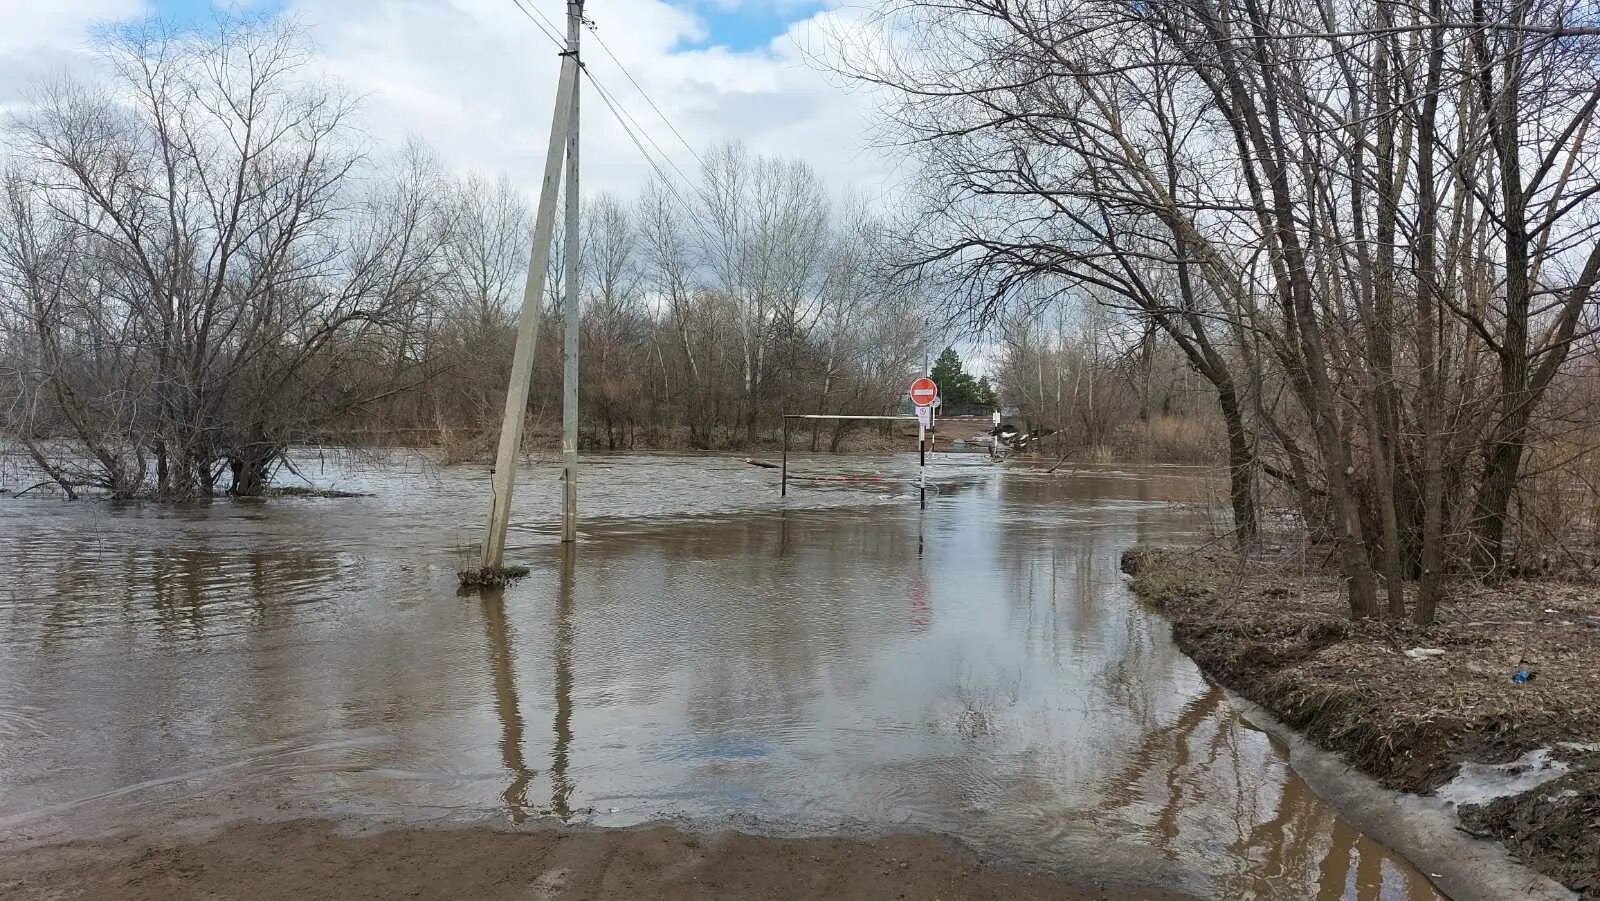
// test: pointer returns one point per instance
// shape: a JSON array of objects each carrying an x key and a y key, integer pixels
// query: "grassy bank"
[{"x": 1275, "y": 631}]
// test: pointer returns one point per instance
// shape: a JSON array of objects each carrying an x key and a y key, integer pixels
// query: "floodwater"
[{"x": 836, "y": 661}]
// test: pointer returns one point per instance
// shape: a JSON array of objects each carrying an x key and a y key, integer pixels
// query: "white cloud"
[
  {"x": 475, "y": 79},
  {"x": 43, "y": 40},
  {"x": 31, "y": 26}
]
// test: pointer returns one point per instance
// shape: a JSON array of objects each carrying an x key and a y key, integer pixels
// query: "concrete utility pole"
[
  {"x": 569, "y": 356},
  {"x": 505, "y": 465}
]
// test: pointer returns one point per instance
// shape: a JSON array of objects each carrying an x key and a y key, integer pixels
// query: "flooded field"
[{"x": 709, "y": 654}]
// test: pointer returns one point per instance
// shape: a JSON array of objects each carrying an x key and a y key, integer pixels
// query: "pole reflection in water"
[
  {"x": 560, "y": 784},
  {"x": 507, "y": 706}
]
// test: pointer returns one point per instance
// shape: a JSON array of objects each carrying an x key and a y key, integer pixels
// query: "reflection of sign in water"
[
  {"x": 924, "y": 392},
  {"x": 921, "y": 613}
]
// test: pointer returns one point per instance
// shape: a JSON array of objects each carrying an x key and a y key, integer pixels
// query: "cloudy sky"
[{"x": 475, "y": 78}]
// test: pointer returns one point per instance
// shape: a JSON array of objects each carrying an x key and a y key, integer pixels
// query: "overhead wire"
[
  {"x": 541, "y": 14},
  {"x": 551, "y": 32},
  {"x": 622, "y": 120},
  {"x": 617, "y": 61},
  {"x": 647, "y": 98},
  {"x": 630, "y": 124},
  {"x": 624, "y": 111}
]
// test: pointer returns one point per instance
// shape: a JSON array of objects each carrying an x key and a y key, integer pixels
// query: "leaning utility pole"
[
  {"x": 511, "y": 424},
  {"x": 569, "y": 356}
]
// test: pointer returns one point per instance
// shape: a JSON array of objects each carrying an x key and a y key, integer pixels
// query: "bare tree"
[
  {"x": 207, "y": 198},
  {"x": 1369, "y": 290}
]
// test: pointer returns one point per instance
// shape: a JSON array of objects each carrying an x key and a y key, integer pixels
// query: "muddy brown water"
[{"x": 710, "y": 654}]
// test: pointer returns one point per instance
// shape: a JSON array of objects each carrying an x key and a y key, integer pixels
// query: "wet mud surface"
[{"x": 833, "y": 664}]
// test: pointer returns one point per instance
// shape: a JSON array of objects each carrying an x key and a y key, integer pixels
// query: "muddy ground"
[
  {"x": 1275, "y": 630},
  {"x": 314, "y": 859}
]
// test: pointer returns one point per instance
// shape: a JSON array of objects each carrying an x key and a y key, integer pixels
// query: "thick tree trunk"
[
  {"x": 185, "y": 475},
  {"x": 1503, "y": 451},
  {"x": 251, "y": 469},
  {"x": 249, "y": 478},
  {"x": 163, "y": 474},
  {"x": 1241, "y": 464},
  {"x": 1502, "y": 461},
  {"x": 1430, "y": 576},
  {"x": 1287, "y": 255}
]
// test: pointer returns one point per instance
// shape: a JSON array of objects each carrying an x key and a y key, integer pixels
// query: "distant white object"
[{"x": 1425, "y": 653}]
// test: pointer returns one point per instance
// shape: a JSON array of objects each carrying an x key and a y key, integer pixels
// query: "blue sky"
[
  {"x": 749, "y": 24},
  {"x": 187, "y": 12},
  {"x": 742, "y": 25}
]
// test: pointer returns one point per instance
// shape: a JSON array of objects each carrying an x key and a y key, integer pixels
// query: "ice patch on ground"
[{"x": 1480, "y": 783}]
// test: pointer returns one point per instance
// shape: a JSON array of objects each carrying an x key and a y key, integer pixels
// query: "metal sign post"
[
  {"x": 924, "y": 419},
  {"x": 924, "y": 422},
  {"x": 924, "y": 393}
]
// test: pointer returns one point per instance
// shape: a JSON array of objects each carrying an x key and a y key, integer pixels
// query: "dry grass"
[
  {"x": 1169, "y": 439},
  {"x": 466, "y": 445}
]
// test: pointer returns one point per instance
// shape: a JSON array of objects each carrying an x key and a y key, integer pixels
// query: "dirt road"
[{"x": 309, "y": 859}]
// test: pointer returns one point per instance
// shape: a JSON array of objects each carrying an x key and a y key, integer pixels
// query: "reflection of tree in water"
[
  {"x": 508, "y": 706},
  {"x": 1070, "y": 600},
  {"x": 197, "y": 587},
  {"x": 1122, "y": 789},
  {"x": 187, "y": 587},
  {"x": 1302, "y": 843},
  {"x": 798, "y": 616},
  {"x": 1203, "y": 766}
]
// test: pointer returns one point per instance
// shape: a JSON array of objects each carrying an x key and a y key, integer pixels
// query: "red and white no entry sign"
[{"x": 924, "y": 392}]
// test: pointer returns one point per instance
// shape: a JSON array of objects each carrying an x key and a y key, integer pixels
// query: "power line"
[
  {"x": 623, "y": 110},
  {"x": 548, "y": 32},
  {"x": 540, "y": 13},
  {"x": 646, "y": 95},
  {"x": 635, "y": 131},
  {"x": 617, "y": 61},
  {"x": 622, "y": 120}
]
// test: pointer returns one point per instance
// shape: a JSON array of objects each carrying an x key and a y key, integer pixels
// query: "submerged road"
[{"x": 833, "y": 663}]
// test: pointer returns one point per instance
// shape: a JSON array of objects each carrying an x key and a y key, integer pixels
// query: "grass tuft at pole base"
[{"x": 491, "y": 577}]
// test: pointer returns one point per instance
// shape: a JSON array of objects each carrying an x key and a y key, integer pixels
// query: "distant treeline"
[{"x": 199, "y": 268}]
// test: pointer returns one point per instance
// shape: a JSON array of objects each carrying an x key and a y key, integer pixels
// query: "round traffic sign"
[{"x": 924, "y": 392}]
